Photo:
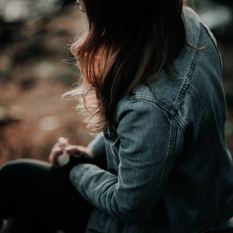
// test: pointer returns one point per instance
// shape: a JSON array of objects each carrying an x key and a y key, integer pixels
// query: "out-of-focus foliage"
[
  {"x": 36, "y": 68},
  {"x": 20, "y": 10},
  {"x": 218, "y": 15}
]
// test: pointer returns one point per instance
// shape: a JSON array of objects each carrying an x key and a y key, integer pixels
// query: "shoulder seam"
[
  {"x": 213, "y": 39},
  {"x": 189, "y": 77}
]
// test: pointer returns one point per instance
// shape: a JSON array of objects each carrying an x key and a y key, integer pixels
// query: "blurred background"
[{"x": 36, "y": 68}]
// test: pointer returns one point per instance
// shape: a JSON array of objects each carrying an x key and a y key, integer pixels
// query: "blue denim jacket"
[{"x": 169, "y": 169}]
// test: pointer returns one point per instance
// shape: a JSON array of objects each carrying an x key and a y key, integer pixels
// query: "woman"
[{"x": 152, "y": 83}]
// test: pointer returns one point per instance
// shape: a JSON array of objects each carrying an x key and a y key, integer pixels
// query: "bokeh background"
[{"x": 36, "y": 68}]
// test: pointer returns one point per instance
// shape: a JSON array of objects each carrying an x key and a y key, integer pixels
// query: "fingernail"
[{"x": 62, "y": 140}]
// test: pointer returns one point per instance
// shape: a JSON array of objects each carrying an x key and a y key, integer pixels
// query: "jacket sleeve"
[
  {"x": 148, "y": 147},
  {"x": 97, "y": 145}
]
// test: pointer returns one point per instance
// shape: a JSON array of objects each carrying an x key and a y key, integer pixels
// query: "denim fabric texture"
[{"x": 169, "y": 169}]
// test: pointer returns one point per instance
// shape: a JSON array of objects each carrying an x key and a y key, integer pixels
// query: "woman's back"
[
  {"x": 201, "y": 182},
  {"x": 191, "y": 171}
]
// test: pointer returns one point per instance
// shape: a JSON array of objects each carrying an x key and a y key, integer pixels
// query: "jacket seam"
[
  {"x": 211, "y": 36},
  {"x": 180, "y": 207},
  {"x": 189, "y": 77},
  {"x": 170, "y": 149},
  {"x": 198, "y": 100}
]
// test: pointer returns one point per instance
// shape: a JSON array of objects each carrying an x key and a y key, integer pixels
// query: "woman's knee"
[
  {"x": 13, "y": 166},
  {"x": 13, "y": 171},
  {"x": 9, "y": 167},
  {"x": 10, "y": 172}
]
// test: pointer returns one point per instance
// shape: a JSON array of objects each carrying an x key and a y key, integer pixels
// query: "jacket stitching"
[
  {"x": 170, "y": 149},
  {"x": 211, "y": 36},
  {"x": 195, "y": 95},
  {"x": 180, "y": 210},
  {"x": 189, "y": 78}
]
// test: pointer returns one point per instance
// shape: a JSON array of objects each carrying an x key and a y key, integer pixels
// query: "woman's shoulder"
[
  {"x": 174, "y": 94},
  {"x": 151, "y": 97},
  {"x": 195, "y": 26}
]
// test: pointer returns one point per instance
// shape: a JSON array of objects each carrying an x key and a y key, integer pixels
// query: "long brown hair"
[{"x": 127, "y": 42}]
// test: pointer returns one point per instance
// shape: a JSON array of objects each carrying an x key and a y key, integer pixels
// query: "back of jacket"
[{"x": 169, "y": 169}]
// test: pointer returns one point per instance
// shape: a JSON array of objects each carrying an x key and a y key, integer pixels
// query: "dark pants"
[{"x": 40, "y": 198}]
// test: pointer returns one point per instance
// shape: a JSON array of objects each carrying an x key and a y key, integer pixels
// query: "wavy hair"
[{"x": 127, "y": 42}]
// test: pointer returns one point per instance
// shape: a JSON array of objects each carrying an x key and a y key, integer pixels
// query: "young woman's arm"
[
  {"x": 97, "y": 148},
  {"x": 149, "y": 142},
  {"x": 97, "y": 145}
]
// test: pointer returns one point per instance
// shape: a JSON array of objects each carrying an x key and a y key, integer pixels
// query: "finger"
[
  {"x": 54, "y": 155},
  {"x": 55, "y": 159},
  {"x": 57, "y": 147},
  {"x": 75, "y": 150},
  {"x": 63, "y": 141}
]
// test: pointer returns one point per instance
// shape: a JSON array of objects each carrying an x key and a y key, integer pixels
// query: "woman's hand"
[{"x": 62, "y": 150}]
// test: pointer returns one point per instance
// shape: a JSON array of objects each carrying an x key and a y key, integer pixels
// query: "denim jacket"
[{"x": 168, "y": 166}]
